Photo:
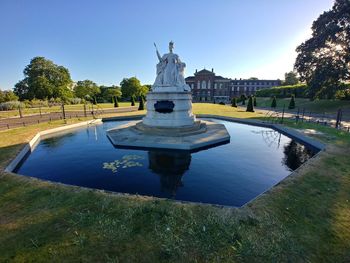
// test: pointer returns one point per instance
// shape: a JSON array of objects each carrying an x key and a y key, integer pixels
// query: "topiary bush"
[
  {"x": 116, "y": 103},
  {"x": 141, "y": 105},
  {"x": 250, "y": 107},
  {"x": 234, "y": 102},
  {"x": 243, "y": 98},
  {"x": 274, "y": 102},
  {"x": 292, "y": 103},
  {"x": 254, "y": 101}
]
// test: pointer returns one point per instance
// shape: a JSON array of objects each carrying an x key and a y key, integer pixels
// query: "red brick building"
[{"x": 206, "y": 86}]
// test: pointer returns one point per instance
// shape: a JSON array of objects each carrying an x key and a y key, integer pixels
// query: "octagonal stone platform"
[{"x": 137, "y": 135}]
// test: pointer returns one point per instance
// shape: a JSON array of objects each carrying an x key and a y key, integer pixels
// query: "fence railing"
[
  {"x": 86, "y": 111},
  {"x": 339, "y": 120}
]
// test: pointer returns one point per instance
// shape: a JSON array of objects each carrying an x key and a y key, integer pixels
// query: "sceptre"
[{"x": 158, "y": 55}]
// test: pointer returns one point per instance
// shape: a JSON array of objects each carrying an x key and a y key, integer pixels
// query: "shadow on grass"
[{"x": 305, "y": 218}]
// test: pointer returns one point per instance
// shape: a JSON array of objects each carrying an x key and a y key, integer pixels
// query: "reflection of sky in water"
[{"x": 232, "y": 174}]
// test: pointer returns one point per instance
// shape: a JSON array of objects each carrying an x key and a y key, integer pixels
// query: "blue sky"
[{"x": 106, "y": 41}]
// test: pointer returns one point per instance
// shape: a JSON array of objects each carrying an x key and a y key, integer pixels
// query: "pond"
[{"x": 232, "y": 174}]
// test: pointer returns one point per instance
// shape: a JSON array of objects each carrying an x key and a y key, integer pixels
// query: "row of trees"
[{"x": 45, "y": 80}]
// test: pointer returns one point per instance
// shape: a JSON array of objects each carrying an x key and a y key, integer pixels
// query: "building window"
[
  {"x": 204, "y": 84},
  {"x": 198, "y": 85},
  {"x": 220, "y": 85},
  {"x": 209, "y": 84},
  {"x": 192, "y": 86},
  {"x": 215, "y": 86}
]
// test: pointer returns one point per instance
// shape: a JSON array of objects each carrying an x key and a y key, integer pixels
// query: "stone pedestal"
[{"x": 169, "y": 109}]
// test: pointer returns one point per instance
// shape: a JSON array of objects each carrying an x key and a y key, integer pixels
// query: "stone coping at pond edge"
[{"x": 30, "y": 146}]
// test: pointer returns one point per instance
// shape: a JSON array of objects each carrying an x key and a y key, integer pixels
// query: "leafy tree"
[
  {"x": 323, "y": 61},
  {"x": 274, "y": 102},
  {"x": 250, "y": 107},
  {"x": 130, "y": 87},
  {"x": 290, "y": 78},
  {"x": 234, "y": 102},
  {"x": 44, "y": 80},
  {"x": 144, "y": 90},
  {"x": 108, "y": 93},
  {"x": 142, "y": 104},
  {"x": 253, "y": 78},
  {"x": 7, "y": 95},
  {"x": 86, "y": 89},
  {"x": 292, "y": 103}
]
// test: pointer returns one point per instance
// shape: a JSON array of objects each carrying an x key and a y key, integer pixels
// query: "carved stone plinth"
[{"x": 169, "y": 109}]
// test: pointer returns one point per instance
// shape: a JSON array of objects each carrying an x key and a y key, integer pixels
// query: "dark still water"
[{"x": 232, "y": 174}]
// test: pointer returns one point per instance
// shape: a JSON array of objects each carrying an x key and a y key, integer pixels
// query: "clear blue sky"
[{"x": 106, "y": 41}]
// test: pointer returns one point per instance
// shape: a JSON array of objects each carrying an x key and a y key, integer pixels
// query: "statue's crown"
[{"x": 171, "y": 43}]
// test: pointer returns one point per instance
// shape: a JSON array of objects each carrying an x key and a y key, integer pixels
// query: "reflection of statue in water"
[
  {"x": 170, "y": 166},
  {"x": 296, "y": 154},
  {"x": 170, "y": 70}
]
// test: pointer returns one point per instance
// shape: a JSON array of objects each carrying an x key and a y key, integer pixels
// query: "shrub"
[
  {"x": 254, "y": 101},
  {"x": 250, "y": 107},
  {"x": 274, "y": 102},
  {"x": 75, "y": 100},
  {"x": 343, "y": 94},
  {"x": 234, "y": 102},
  {"x": 141, "y": 105},
  {"x": 11, "y": 105},
  {"x": 222, "y": 103},
  {"x": 7, "y": 95},
  {"x": 243, "y": 98},
  {"x": 292, "y": 103}
]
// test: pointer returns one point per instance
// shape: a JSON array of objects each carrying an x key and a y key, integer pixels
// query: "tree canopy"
[
  {"x": 107, "y": 93},
  {"x": 132, "y": 87},
  {"x": 44, "y": 80},
  {"x": 86, "y": 89},
  {"x": 323, "y": 61},
  {"x": 290, "y": 78}
]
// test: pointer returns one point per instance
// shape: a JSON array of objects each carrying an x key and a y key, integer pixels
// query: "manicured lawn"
[
  {"x": 317, "y": 106},
  {"x": 306, "y": 218},
  {"x": 76, "y": 107}
]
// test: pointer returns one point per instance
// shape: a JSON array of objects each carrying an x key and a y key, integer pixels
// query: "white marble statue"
[{"x": 170, "y": 70}]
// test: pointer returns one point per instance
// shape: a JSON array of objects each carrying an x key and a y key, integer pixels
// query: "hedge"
[{"x": 299, "y": 90}]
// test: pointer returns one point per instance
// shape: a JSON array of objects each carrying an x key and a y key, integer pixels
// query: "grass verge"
[{"x": 306, "y": 218}]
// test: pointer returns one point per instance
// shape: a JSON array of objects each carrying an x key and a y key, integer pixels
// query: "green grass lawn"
[
  {"x": 317, "y": 106},
  {"x": 76, "y": 107},
  {"x": 306, "y": 218}
]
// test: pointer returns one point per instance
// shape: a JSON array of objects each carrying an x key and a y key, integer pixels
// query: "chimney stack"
[{"x": 212, "y": 70}]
